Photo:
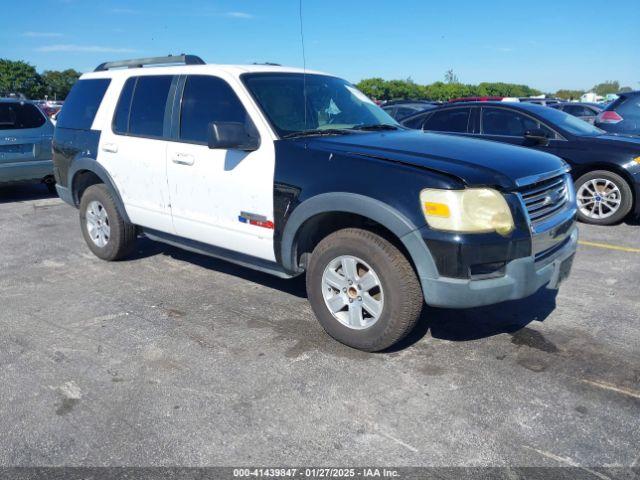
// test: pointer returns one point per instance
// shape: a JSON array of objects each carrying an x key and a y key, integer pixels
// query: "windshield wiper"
[
  {"x": 317, "y": 132},
  {"x": 375, "y": 126}
]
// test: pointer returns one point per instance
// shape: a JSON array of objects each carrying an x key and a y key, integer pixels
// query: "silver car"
[{"x": 25, "y": 143}]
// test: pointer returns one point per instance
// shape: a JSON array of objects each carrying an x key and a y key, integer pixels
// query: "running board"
[{"x": 222, "y": 253}]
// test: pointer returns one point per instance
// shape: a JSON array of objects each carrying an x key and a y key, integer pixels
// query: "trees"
[
  {"x": 381, "y": 89},
  {"x": 58, "y": 84},
  {"x": 19, "y": 77},
  {"x": 22, "y": 78},
  {"x": 605, "y": 88}
]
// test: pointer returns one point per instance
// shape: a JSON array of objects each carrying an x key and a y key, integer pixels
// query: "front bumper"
[{"x": 523, "y": 277}]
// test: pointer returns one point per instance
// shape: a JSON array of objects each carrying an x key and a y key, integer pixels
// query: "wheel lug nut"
[
  {"x": 359, "y": 299},
  {"x": 351, "y": 300},
  {"x": 350, "y": 282},
  {"x": 344, "y": 289}
]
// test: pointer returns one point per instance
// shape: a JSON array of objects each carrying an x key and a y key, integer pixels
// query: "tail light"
[{"x": 608, "y": 116}]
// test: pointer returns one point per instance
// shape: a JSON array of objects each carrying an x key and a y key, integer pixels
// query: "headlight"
[{"x": 473, "y": 210}]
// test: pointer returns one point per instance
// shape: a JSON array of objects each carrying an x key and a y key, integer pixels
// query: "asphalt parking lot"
[{"x": 171, "y": 358}]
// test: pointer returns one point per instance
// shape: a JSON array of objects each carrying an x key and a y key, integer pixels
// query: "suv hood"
[{"x": 475, "y": 162}]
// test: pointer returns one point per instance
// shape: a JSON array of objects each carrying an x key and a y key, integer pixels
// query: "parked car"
[
  {"x": 477, "y": 99},
  {"x": 584, "y": 111},
  {"x": 606, "y": 168},
  {"x": 400, "y": 109},
  {"x": 25, "y": 143},
  {"x": 622, "y": 115},
  {"x": 547, "y": 102},
  {"x": 289, "y": 171}
]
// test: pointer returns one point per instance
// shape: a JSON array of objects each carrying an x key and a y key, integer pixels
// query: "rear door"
[
  {"x": 25, "y": 142},
  {"x": 133, "y": 149},
  {"x": 220, "y": 197}
]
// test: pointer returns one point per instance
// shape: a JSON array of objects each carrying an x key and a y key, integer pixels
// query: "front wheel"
[
  {"x": 363, "y": 290},
  {"x": 603, "y": 197}
]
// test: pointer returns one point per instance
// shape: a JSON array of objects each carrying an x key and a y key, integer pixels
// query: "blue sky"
[{"x": 547, "y": 44}]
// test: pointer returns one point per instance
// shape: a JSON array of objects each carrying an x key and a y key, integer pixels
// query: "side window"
[
  {"x": 415, "y": 122},
  {"x": 82, "y": 104},
  {"x": 19, "y": 116},
  {"x": 121, "y": 116},
  {"x": 452, "y": 120},
  {"x": 207, "y": 99},
  {"x": 499, "y": 121},
  {"x": 629, "y": 108},
  {"x": 148, "y": 105}
]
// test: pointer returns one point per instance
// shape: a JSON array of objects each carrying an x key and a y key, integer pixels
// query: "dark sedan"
[
  {"x": 400, "y": 109},
  {"x": 584, "y": 111},
  {"x": 606, "y": 168}
]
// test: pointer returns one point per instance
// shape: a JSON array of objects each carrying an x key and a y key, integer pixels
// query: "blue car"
[
  {"x": 622, "y": 116},
  {"x": 25, "y": 143}
]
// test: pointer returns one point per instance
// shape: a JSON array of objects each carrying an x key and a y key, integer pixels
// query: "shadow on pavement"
[
  {"x": 446, "y": 324},
  {"x": 481, "y": 322},
  {"x": 21, "y": 192},
  {"x": 294, "y": 286}
]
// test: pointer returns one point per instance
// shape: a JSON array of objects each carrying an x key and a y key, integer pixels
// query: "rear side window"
[
  {"x": 18, "y": 116},
  {"x": 82, "y": 104},
  {"x": 146, "y": 118},
  {"x": 454, "y": 120},
  {"x": 629, "y": 107},
  {"x": 121, "y": 117},
  {"x": 207, "y": 99},
  {"x": 415, "y": 122}
]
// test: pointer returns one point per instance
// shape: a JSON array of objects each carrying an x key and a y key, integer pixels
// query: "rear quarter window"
[
  {"x": 19, "y": 116},
  {"x": 82, "y": 103}
]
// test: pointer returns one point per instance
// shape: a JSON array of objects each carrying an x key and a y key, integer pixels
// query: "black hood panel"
[{"x": 475, "y": 162}]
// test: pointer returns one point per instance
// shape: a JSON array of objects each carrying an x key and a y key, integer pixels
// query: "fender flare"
[
  {"x": 89, "y": 164},
  {"x": 380, "y": 212}
]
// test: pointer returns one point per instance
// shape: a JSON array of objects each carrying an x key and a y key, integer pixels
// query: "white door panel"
[
  {"x": 138, "y": 168},
  {"x": 210, "y": 188}
]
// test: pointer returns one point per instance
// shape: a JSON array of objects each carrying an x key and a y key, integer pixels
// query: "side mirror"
[
  {"x": 536, "y": 136},
  {"x": 232, "y": 136}
]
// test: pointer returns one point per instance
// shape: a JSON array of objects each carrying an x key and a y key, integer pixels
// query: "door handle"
[
  {"x": 183, "y": 159},
  {"x": 110, "y": 147}
]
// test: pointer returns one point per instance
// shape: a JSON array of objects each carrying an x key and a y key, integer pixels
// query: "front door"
[{"x": 220, "y": 197}]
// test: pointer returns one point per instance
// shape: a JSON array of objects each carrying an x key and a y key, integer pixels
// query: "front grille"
[{"x": 545, "y": 198}]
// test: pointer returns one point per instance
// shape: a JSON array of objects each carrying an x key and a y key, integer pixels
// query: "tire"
[
  {"x": 390, "y": 310},
  {"x": 51, "y": 186},
  {"x": 604, "y": 198},
  {"x": 117, "y": 240}
]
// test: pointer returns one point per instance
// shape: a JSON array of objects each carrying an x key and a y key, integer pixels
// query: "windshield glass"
[
  {"x": 570, "y": 123},
  {"x": 331, "y": 103}
]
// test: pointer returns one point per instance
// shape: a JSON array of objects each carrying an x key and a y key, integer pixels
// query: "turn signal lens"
[
  {"x": 437, "y": 209},
  {"x": 637, "y": 160},
  {"x": 473, "y": 210}
]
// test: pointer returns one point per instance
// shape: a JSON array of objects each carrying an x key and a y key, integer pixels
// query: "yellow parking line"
[{"x": 609, "y": 246}]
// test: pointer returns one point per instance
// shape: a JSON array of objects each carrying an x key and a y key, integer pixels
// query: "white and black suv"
[{"x": 288, "y": 171}]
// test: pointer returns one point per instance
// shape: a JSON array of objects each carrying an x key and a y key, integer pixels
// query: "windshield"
[
  {"x": 332, "y": 104},
  {"x": 570, "y": 123}
]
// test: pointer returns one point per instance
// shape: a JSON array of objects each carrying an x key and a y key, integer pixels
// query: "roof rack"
[
  {"x": 141, "y": 62},
  {"x": 270, "y": 64}
]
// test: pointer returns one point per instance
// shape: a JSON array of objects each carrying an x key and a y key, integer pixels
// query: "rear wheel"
[
  {"x": 107, "y": 234},
  {"x": 363, "y": 290},
  {"x": 603, "y": 197}
]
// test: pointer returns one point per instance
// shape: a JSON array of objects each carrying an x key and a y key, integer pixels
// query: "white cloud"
[
  {"x": 41, "y": 34},
  {"x": 82, "y": 49},
  {"x": 238, "y": 15}
]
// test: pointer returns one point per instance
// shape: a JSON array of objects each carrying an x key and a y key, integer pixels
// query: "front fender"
[{"x": 368, "y": 207}]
